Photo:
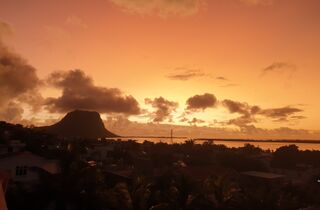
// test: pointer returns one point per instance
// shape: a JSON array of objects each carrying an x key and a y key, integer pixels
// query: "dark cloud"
[
  {"x": 298, "y": 117},
  {"x": 242, "y": 121},
  {"x": 279, "y": 67},
  {"x": 18, "y": 80},
  {"x": 16, "y": 75},
  {"x": 193, "y": 122},
  {"x": 229, "y": 85},
  {"x": 196, "y": 121},
  {"x": 248, "y": 113},
  {"x": 185, "y": 74},
  {"x": 238, "y": 107},
  {"x": 280, "y": 114},
  {"x": 184, "y": 119},
  {"x": 201, "y": 102},
  {"x": 163, "y": 108},
  {"x": 226, "y": 81},
  {"x": 79, "y": 92},
  {"x": 221, "y": 78},
  {"x": 11, "y": 112}
]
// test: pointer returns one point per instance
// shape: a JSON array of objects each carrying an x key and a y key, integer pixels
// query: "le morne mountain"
[{"x": 80, "y": 123}]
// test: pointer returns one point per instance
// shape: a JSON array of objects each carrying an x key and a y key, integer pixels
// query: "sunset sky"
[{"x": 206, "y": 68}]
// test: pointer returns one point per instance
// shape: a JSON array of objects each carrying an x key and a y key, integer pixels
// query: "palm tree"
[{"x": 217, "y": 192}]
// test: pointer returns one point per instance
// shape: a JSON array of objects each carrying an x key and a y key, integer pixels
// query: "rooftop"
[{"x": 263, "y": 175}]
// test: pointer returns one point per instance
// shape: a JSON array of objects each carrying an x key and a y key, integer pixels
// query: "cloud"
[
  {"x": 281, "y": 114},
  {"x": 196, "y": 121},
  {"x": 226, "y": 81},
  {"x": 280, "y": 67},
  {"x": 242, "y": 121},
  {"x": 163, "y": 108},
  {"x": 257, "y": 2},
  {"x": 298, "y": 117},
  {"x": 278, "y": 133},
  {"x": 193, "y": 122},
  {"x": 57, "y": 33},
  {"x": 229, "y": 85},
  {"x": 248, "y": 113},
  {"x": 16, "y": 75},
  {"x": 125, "y": 127},
  {"x": 238, "y": 107},
  {"x": 185, "y": 74},
  {"x": 5, "y": 29},
  {"x": 169, "y": 8},
  {"x": 221, "y": 78},
  {"x": 11, "y": 112},
  {"x": 76, "y": 21},
  {"x": 201, "y": 102},
  {"x": 79, "y": 92},
  {"x": 183, "y": 119},
  {"x": 161, "y": 8},
  {"x": 18, "y": 79}
]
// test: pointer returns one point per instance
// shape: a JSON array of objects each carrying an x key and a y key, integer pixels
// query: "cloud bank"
[
  {"x": 124, "y": 126},
  {"x": 281, "y": 114},
  {"x": 248, "y": 113},
  {"x": 79, "y": 92},
  {"x": 18, "y": 80}
]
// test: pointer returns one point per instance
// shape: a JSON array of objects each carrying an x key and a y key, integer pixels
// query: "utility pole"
[{"x": 171, "y": 136}]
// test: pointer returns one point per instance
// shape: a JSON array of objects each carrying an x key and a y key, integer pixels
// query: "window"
[{"x": 21, "y": 170}]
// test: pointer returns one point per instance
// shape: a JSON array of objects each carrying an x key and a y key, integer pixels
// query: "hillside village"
[{"x": 49, "y": 171}]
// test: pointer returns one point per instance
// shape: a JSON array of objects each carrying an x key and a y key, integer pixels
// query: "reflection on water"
[
  {"x": 263, "y": 145},
  {"x": 270, "y": 145}
]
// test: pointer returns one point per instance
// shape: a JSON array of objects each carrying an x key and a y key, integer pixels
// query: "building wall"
[{"x": 28, "y": 160}]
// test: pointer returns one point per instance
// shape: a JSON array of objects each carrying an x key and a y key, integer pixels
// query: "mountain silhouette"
[{"x": 80, "y": 123}]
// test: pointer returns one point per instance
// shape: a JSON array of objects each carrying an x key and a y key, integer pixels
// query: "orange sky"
[{"x": 267, "y": 51}]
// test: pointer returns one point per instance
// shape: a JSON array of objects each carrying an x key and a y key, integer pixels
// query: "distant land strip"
[
  {"x": 152, "y": 137},
  {"x": 226, "y": 140}
]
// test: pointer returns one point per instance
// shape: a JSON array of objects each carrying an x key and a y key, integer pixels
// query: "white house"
[{"x": 25, "y": 166}]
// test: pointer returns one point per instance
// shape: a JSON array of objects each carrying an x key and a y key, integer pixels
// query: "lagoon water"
[
  {"x": 263, "y": 145},
  {"x": 270, "y": 145}
]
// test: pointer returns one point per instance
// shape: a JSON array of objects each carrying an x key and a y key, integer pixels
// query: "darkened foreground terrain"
[{"x": 111, "y": 174}]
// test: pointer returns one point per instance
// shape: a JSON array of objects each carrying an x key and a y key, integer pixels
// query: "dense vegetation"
[{"x": 185, "y": 176}]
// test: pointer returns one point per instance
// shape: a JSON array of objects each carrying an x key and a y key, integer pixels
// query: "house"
[
  {"x": 259, "y": 177},
  {"x": 12, "y": 146},
  {"x": 99, "y": 151},
  {"x": 25, "y": 166},
  {"x": 263, "y": 175},
  {"x": 115, "y": 176}
]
